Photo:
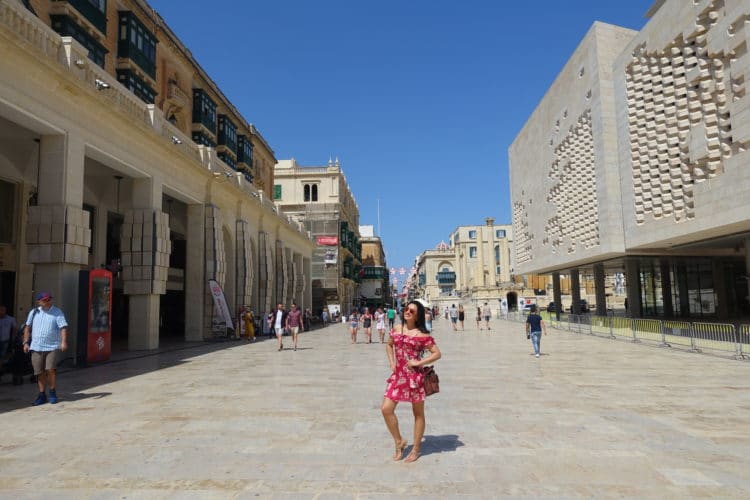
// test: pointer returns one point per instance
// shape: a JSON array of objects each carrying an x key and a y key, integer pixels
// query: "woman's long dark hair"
[{"x": 420, "y": 321}]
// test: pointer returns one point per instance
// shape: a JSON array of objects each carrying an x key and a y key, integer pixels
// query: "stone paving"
[{"x": 591, "y": 418}]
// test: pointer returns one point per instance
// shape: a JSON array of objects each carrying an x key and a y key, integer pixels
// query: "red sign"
[
  {"x": 327, "y": 240},
  {"x": 99, "y": 316}
]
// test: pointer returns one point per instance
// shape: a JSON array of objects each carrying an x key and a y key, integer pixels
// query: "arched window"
[
  {"x": 307, "y": 192},
  {"x": 497, "y": 254},
  {"x": 314, "y": 192}
]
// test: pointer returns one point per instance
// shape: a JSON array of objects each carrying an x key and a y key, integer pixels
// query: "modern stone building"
[
  {"x": 118, "y": 150},
  {"x": 635, "y": 163},
  {"x": 319, "y": 198}
]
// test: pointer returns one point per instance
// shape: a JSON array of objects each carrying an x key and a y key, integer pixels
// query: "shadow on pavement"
[
  {"x": 74, "y": 382},
  {"x": 440, "y": 444}
]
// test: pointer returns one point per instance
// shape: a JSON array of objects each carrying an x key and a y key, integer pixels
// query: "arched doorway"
[{"x": 512, "y": 298}]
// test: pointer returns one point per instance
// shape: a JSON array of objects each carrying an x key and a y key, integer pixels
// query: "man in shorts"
[
  {"x": 48, "y": 329},
  {"x": 454, "y": 316},
  {"x": 278, "y": 321},
  {"x": 486, "y": 312},
  {"x": 294, "y": 323}
]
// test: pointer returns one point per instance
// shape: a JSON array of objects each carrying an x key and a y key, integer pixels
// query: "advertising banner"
[
  {"x": 99, "y": 342},
  {"x": 327, "y": 240},
  {"x": 220, "y": 303},
  {"x": 331, "y": 255}
]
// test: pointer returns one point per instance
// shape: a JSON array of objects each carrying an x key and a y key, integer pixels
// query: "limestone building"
[
  {"x": 635, "y": 163},
  {"x": 436, "y": 274},
  {"x": 118, "y": 150},
  {"x": 374, "y": 290},
  {"x": 483, "y": 258},
  {"x": 319, "y": 197}
]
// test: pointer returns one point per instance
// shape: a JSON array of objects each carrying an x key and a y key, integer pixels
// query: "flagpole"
[{"x": 378, "y": 217}]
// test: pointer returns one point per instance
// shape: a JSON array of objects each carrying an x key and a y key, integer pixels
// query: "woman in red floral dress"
[{"x": 406, "y": 383}]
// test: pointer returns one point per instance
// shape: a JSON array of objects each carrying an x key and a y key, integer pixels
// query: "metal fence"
[{"x": 717, "y": 338}]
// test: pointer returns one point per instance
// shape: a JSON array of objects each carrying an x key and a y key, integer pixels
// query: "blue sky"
[{"x": 419, "y": 99}]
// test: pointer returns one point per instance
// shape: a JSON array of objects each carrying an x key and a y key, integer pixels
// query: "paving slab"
[{"x": 591, "y": 418}]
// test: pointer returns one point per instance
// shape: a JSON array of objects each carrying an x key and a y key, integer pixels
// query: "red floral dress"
[{"x": 405, "y": 383}]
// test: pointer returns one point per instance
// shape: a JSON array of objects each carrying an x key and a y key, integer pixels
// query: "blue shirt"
[
  {"x": 535, "y": 321},
  {"x": 45, "y": 332}
]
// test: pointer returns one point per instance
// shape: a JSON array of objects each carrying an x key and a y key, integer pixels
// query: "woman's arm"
[
  {"x": 390, "y": 354},
  {"x": 434, "y": 356}
]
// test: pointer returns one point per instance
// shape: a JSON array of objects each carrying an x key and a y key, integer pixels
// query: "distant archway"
[{"x": 512, "y": 298}]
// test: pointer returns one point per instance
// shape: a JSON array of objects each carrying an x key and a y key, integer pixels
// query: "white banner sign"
[{"x": 220, "y": 303}]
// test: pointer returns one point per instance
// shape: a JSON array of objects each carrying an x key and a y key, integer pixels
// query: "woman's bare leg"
[
  {"x": 388, "y": 409},
  {"x": 368, "y": 332},
  {"x": 419, "y": 424}
]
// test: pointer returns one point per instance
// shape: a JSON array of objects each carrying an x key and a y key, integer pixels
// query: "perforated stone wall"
[
  {"x": 58, "y": 233},
  {"x": 573, "y": 193},
  {"x": 521, "y": 235},
  {"x": 680, "y": 112}
]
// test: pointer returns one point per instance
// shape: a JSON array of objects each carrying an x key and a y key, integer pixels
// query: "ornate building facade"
[
  {"x": 118, "y": 150},
  {"x": 319, "y": 198}
]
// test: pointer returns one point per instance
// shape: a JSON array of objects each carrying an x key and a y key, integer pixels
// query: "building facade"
[
  {"x": 374, "y": 289},
  {"x": 436, "y": 274},
  {"x": 319, "y": 198},
  {"x": 483, "y": 258},
  {"x": 117, "y": 150},
  {"x": 634, "y": 165}
]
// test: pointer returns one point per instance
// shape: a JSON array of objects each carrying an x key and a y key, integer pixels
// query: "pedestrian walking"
[
  {"x": 47, "y": 328},
  {"x": 487, "y": 313},
  {"x": 380, "y": 323},
  {"x": 249, "y": 321},
  {"x": 367, "y": 324},
  {"x": 428, "y": 319},
  {"x": 294, "y": 323},
  {"x": 534, "y": 327},
  {"x": 406, "y": 383},
  {"x": 278, "y": 322},
  {"x": 391, "y": 317},
  {"x": 7, "y": 328},
  {"x": 446, "y": 312},
  {"x": 324, "y": 316},
  {"x": 454, "y": 316},
  {"x": 353, "y": 325},
  {"x": 461, "y": 316},
  {"x": 479, "y": 317}
]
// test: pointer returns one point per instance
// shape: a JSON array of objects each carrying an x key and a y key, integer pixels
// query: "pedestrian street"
[{"x": 591, "y": 418}]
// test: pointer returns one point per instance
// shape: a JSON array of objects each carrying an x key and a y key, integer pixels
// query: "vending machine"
[{"x": 94, "y": 316}]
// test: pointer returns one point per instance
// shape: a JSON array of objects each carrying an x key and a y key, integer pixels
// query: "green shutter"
[{"x": 277, "y": 191}]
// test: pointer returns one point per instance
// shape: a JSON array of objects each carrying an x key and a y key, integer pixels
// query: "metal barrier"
[
  {"x": 743, "y": 340},
  {"x": 678, "y": 333},
  {"x": 694, "y": 337},
  {"x": 716, "y": 337},
  {"x": 621, "y": 327},
  {"x": 601, "y": 326},
  {"x": 648, "y": 330}
]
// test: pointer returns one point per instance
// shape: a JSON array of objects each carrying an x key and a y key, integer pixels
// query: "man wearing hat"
[{"x": 48, "y": 329}]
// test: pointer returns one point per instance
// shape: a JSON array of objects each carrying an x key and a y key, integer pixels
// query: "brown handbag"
[{"x": 431, "y": 381}]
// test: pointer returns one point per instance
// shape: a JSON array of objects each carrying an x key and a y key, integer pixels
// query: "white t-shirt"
[{"x": 279, "y": 315}]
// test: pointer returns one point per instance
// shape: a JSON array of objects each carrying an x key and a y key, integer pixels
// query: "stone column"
[
  {"x": 307, "y": 281},
  {"x": 600, "y": 290},
  {"x": 145, "y": 248},
  {"x": 195, "y": 274},
  {"x": 57, "y": 233},
  {"x": 479, "y": 279},
  {"x": 557, "y": 294},
  {"x": 215, "y": 262},
  {"x": 747, "y": 269},
  {"x": 493, "y": 263},
  {"x": 666, "y": 288},
  {"x": 244, "y": 263},
  {"x": 633, "y": 283},
  {"x": 720, "y": 289},
  {"x": 575, "y": 291}
]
